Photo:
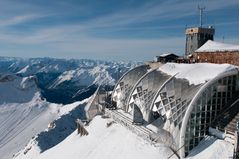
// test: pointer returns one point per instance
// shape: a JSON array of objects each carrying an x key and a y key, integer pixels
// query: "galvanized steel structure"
[{"x": 185, "y": 110}]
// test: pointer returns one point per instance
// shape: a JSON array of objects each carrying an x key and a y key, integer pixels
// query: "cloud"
[
  {"x": 136, "y": 50},
  {"x": 155, "y": 11},
  {"x": 19, "y": 19},
  {"x": 63, "y": 36},
  {"x": 124, "y": 49},
  {"x": 71, "y": 41}
]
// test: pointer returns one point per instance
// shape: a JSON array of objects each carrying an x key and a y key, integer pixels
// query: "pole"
[{"x": 201, "y": 14}]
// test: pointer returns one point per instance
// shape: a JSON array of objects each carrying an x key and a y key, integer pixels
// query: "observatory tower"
[{"x": 197, "y": 36}]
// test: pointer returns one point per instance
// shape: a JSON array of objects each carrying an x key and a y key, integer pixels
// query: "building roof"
[
  {"x": 213, "y": 46},
  {"x": 168, "y": 54},
  {"x": 197, "y": 73}
]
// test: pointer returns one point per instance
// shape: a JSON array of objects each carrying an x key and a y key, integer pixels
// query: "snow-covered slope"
[
  {"x": 117, "y": 142},
  {"x": 23, "y": 112},
  {"x": 114, "y": 142},
  {"x": 57, "y": 131},
  {"x": 19, "y": 122},
  {"x": 15, "y": 89},
  {"x": 212, "y": 148},
  {"x": 196, "y": 73}
]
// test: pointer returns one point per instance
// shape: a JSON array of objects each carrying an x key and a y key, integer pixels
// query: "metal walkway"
[
  {"x": 228, "y": 119},
  {"x": 127, "y": 122}
]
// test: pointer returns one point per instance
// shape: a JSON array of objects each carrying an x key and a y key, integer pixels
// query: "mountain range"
[{"x": 39, "y": 91}]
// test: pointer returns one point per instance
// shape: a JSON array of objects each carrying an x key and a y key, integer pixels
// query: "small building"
[
  {"x": 164, "y": 58},
  {"x": 217, "y": 52},
  {"x": 196, "y": 37}
]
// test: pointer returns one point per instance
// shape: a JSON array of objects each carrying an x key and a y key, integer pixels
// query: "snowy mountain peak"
[
  {"x": 17, "y": 89},
  {"x": 99, "y": 75}
]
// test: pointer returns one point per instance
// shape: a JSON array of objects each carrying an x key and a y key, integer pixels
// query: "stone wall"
[{"x": 218, "y": 57}]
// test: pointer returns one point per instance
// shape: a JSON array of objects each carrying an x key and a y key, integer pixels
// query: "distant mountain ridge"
[{"x": 61, "y": 79}]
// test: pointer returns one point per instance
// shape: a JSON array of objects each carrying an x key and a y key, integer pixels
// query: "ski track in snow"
[
  {"x": 18, "y": 127},
  {"x": 22, "y": 122}
]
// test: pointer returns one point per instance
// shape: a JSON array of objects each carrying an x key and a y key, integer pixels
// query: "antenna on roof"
[
  {"x": 223, "y": 38},
  {"x": 201, "y": 9}
]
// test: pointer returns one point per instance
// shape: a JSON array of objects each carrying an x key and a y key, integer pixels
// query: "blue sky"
[{"x": 108, "y": 29}]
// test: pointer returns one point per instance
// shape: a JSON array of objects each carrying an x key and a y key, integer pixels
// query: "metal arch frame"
[
  {"x": 160, "y": 89},
  {"x": 135, "y": 86},
  {"x": 124, "y": 76},
  {"x": 192, "y": 104}
]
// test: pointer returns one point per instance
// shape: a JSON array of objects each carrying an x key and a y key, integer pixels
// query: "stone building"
[
  {"x": 196, "y": 37},
  {"x": 216, "y": 52}
]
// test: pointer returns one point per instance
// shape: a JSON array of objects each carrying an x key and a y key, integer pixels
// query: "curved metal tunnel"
[{"x": 185, "y": 110}]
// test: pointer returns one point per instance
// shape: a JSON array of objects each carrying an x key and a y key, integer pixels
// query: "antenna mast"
[{"x": 201, "y": 9}]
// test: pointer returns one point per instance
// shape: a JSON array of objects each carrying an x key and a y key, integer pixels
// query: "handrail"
[{"x": 220, "y": 114}]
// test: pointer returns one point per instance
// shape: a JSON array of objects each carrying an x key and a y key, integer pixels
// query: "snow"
[
  {"x": 23, "y": 113},
  {"x": 32, "y": 66},
  {"x": 166, "y": 54},
  {"x": 69, "y": 107},
  {"x": 66, "y": 76},
  {"x": 217, "y": 133},
  {"x": 58, "y": 129},
  {"x": 86, "y": 76},
  {"x": 24, "y": 70},
  {"x": 20, "y": 121},
  {"x": 163, "y": 55},
  {"x": 17, "y": 89},
  {"x": 212, "y": 148},
  {"x": 114, "y": 142},
  {"x": 196, "y": 73},
  {"x": 28, "y": 82},
  {"x": 212, "y": 46}
]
